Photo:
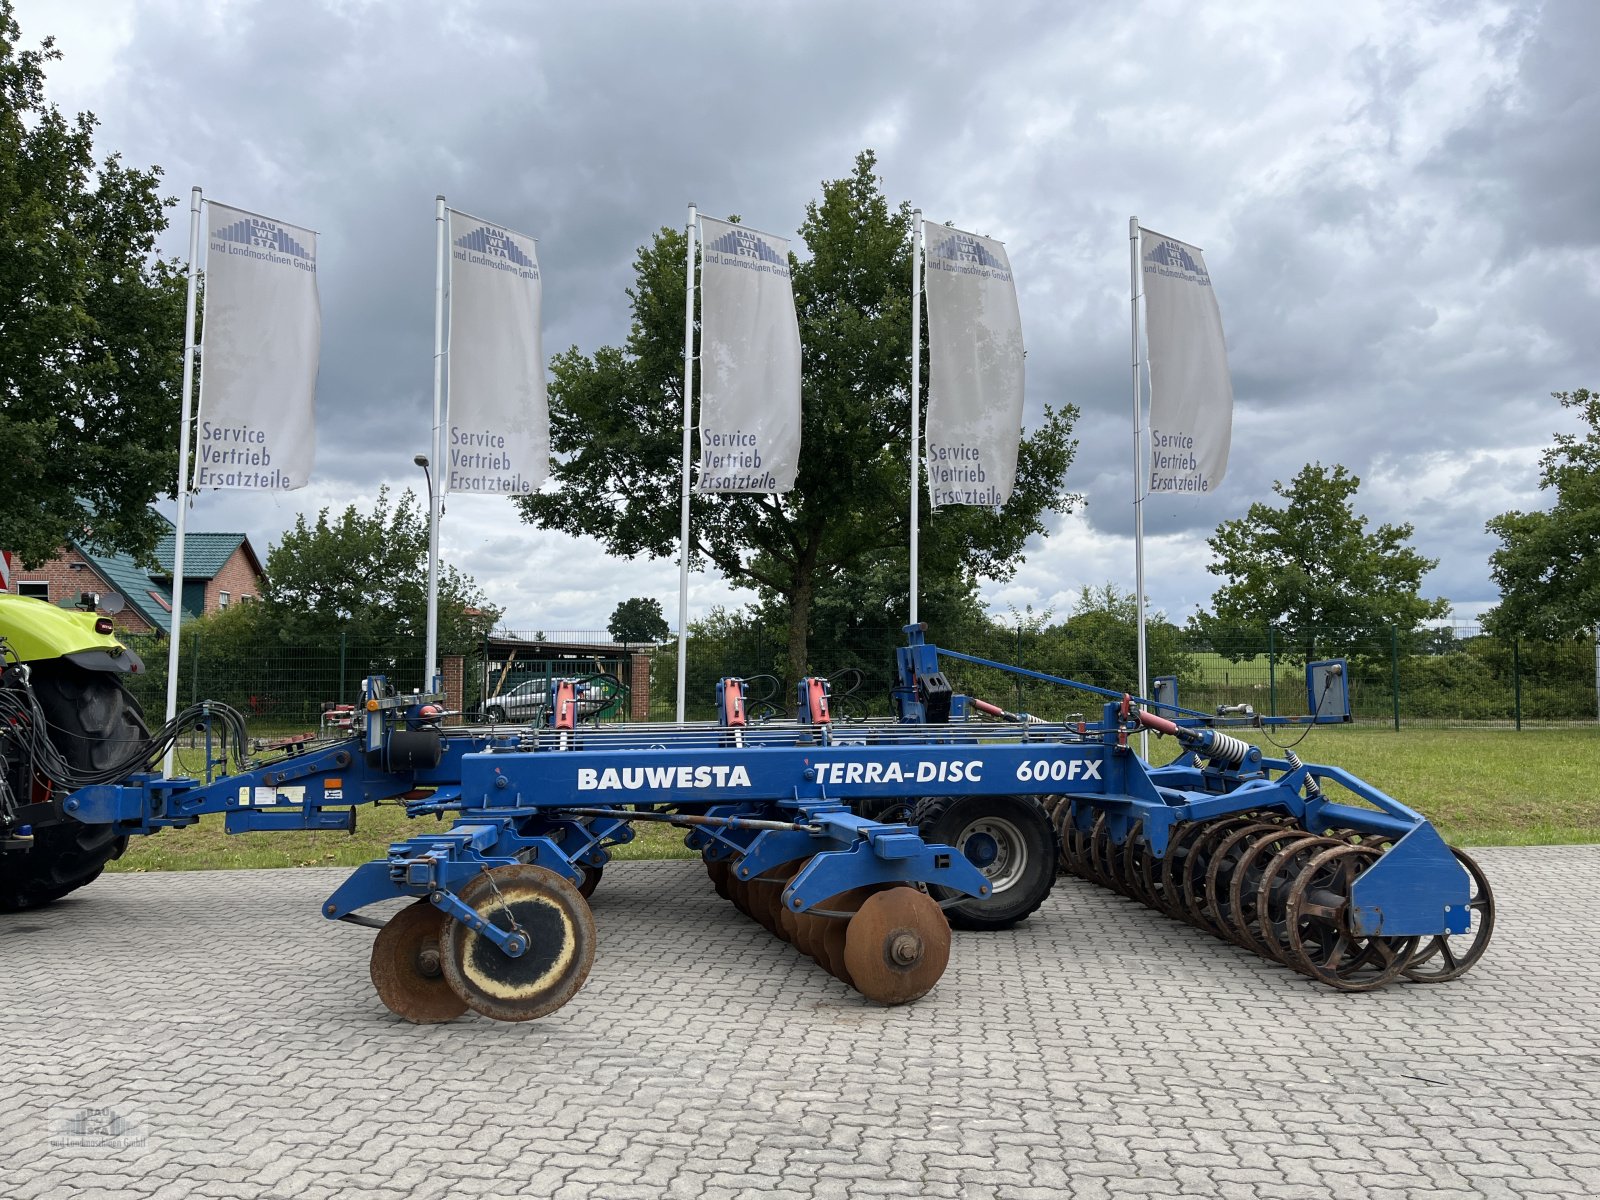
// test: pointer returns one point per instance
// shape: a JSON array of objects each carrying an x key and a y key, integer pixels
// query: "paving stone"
[{"x": 1097, "y": 1051}]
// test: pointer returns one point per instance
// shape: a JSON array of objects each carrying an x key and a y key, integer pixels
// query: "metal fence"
[{"x": 1454, "y": 675}]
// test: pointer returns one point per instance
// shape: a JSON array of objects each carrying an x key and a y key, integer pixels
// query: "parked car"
[{"x": 528, "y": 703}]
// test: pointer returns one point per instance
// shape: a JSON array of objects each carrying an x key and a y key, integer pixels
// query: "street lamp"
[{"x": 432, "y": 668}]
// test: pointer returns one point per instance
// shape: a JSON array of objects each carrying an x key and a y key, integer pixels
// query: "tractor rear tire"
[
  {"x": 1008, "y": 838},
  {"x": 94, "y": 723}
]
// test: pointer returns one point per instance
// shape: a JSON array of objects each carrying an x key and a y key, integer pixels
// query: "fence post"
[
  {"x": 1516, "y": 678},
  {"x": 339, "y": 691},
  {"x": 194, "y": 675},
  {"x": 1394, "y": 671},
  {"x": 1272, "y": 670}
]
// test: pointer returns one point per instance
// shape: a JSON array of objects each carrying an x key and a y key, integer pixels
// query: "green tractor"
[{"x": 66, "y": 721}]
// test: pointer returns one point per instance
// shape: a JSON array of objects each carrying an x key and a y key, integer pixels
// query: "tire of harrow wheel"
[
  {"x": 95, "y": 724},
  {"x": 1024, "y": 870}
]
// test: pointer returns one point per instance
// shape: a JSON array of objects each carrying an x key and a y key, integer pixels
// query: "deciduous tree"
[
  {"x": 91, "y": 327},
  {"x": 638, "y": 619},
  {"x": 1548, "y": 563},
  {"x": 1312, "y": 568},
  {"x": 615, "y": 427}
]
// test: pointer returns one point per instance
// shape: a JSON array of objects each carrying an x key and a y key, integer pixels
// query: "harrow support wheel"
[
  {"x": 544, "y": 908},
  {"x": 1321, "y": 943},
  {"x": 1005, "y": 837},
  {"x": 1170, "y": 893},
  {"x": 1192, "y": 896},
  {"x": 896, "y": 946},
  {"x": 1220, "y": 866},
  {"x": 1448, "y": 956},
  {"x": 406, "y": 967}
]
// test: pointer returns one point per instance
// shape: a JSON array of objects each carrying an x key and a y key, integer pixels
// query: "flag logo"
[
  {"x": 264, "y": 238},
  {"x": 496, "y": 243},
  {"x": 968, "y": 250},
  {"x": 1175, "y": 259},
  {"x": 742, "y": 243}
]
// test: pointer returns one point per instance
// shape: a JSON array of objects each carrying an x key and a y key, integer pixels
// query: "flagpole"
[
  {"x": 683, "y": 522},
  {"x": 436, "y": 445},
  {"x": 1139, "y": 480},
  {"x": 916, "y": 393},
  {"x": 183, "y": 471}
]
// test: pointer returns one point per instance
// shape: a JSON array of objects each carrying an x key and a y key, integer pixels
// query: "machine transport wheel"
[
  {"x": 896, "y": 946},
  {"x": 406, "y": 967},
  {"x": 1321, "y": 943},
  {"x": 1448, "y": 956},
  {"x": 544, "y": 908},
  {"x": 95, "y": 724},
  {"x": 1005, "y": 837}
]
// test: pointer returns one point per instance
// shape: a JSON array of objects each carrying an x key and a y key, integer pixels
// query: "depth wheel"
[
  {"x": 406, "y": 967},
  {"x": 548, "y": 911},
  {"x": 1223, "y": 862},
  {"x": 1244, "y": 886},
  {"x": 1448, "y": 956},
  {"x": 896, "y": 946},
  {"x": 1272, "y": 895},
  {"x": 1005, "y": 837}
]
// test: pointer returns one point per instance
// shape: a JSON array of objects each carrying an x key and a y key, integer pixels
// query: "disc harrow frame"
[{"x": 1250, "y": 848}]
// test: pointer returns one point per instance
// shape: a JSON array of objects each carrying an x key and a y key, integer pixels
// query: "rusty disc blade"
[
  {"x": 835, "y": 930},
  {"x": 406, "y": 969},
  {"x": 897, "y": 946},
  {"x": 548, "y": 912},
  {"x": 717, "y": 869}
]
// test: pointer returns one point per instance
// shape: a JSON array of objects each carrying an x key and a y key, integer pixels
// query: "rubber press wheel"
[
  {"x": 554, "y": 918},
  {"x": 406, "y": 967},
  {"x": 1009, "y": 839}
]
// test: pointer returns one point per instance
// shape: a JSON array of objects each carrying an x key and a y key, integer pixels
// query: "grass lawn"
[{"x": 1480, "y": 786}]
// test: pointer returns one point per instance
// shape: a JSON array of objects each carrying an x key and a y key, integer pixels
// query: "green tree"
[
  {"x": 91, "y": 327},
  {"x": 1312, "y": 568},
  {"x": 1548, "y": 563},
  {"x": 615, "y": 428},
  {"x": 365, "y": 575},
  {"x": 638, "y": 619},
  {"x": 1098, "y": 643}
]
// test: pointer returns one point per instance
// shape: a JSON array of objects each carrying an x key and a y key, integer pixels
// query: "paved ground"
[{"x": 209, "y": 1034}]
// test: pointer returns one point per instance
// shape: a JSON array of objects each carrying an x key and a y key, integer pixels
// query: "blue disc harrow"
[{"x": 861, "y": 842}]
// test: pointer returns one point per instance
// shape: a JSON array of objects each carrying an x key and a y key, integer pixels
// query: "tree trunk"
[{"x": 802, "y": 587}]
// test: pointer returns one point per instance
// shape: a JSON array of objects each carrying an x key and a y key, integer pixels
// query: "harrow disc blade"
[
  {"x": 548, "y": 911},
  {"x": 406, "y": 968},
  {"x": 1451, "y": 955},
  {"x": 717, "y": 869},
  {"x": 897, "y": 946}
]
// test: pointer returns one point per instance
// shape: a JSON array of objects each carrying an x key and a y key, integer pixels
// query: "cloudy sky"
[{"x": 1399, "y": 204}]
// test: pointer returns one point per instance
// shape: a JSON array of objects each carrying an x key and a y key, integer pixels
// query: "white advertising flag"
[
  {"x": 749, "y": 362},
  {"x": 498, "y": 440},
  {"x": 1191, "y": 394},
  {"x": 258, "y": 364},
  {"x": 974, "y": 369}
]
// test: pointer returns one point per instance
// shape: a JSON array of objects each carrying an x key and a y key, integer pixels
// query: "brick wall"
[
  {"x": 238, "y": 578},
  {"x": 639, "y": 683},
  {"x": 71, "y": 574},
  {"x": 453, "y": 668}
]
